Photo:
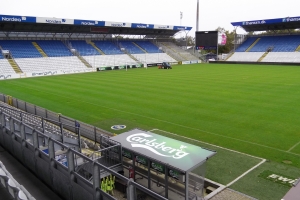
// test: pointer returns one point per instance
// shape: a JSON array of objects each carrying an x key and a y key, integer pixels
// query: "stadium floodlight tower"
[{"x": 197, "y": 16}]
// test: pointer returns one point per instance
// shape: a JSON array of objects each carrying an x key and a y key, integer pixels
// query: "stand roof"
[{"x": 178, "y": 154}]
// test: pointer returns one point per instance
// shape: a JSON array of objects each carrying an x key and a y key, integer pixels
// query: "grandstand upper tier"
[
  {"x": 269, "y": 48},
  {"x": 287, "y": 43},
  {"x": 31, "y": 46}
]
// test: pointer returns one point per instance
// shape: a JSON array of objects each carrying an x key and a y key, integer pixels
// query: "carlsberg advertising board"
[{"x": 175, "y": 153}]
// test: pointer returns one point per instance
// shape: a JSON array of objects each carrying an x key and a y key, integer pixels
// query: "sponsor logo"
[
  {"x": 44, "y": 73},
  {"x": 87, "y": 23},
  {"x": 282, "y": 179},
  {"x": 118, "y": 127},
  {"x": 118, "y": 24},
  {"x": 165, "y": 27},
  {"x": 157, "y": 167},
  {"x": 173, "y": 174},
  {"x": 5, "y": 76},
  {"x": 12, "y": 19},
  {"x": 254, "y": 22},
  {"x": 284, "y": 20},
  {"x": 126, "y": 154},
  {"x": 278, "y": 178},
  {"x": 141, "y": 160},
  {"x": 54, "y": 21},
  {"x": 141, "y": 26},
  {"x": 140, "y": 140},
  {"x": 292, "y": 19}
]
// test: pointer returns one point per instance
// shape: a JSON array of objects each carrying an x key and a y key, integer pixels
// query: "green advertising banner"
[
  {"x": 175, "y": 153},
  {"x": 141, "y": 160},
  {"x": 127, "y": 154},
  {"x": 158, "y": 167}
]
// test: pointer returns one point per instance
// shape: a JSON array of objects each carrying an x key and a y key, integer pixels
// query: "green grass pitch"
[{"x": 248, "y": 108}]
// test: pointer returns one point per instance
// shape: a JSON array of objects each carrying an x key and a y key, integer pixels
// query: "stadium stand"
[
  {"x": 1, "y": 56},
  {"x": 268, "y": 49},
  {"x": 246, "y": 56},
  {"x": 5, "y": 67},
  {"x": 282, "y": 57},
  {"x": 148, "y": 47},
  {"x": 176, "y": 52},
  {"x": 54, "y": 48},
  {"x": 20, "y": 48},
  {"x": 83, "y": 48},
  {"x": 130, "y": 47},
  {"x": 108, "y": 47},
  {"x": 110, "y": 60},
  {"x": 154, "y": 58},
  {"x": 277, "y": 43},
  {"x": 29, "y": 65},
  {"x": 243, "y": 47}
]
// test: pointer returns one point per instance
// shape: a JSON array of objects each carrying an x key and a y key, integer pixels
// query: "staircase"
[
  {"x": 131, "y": 56},
  {"x": 171, "y": 54},
  {"x": 298, "y": 49},
  {"x": 39, "y": 49},
  {"x": 179, "y": 56},
  {"x": 14, "y": 65},
  {"x": 252, "y": 45},
  {"x": 88, "y": 65},
  {"x": 139, "y": 47},
  {"x": 93, "y": 44},
  {"x": 231, "y": 54},
  {"x": 263, "y": 56}
]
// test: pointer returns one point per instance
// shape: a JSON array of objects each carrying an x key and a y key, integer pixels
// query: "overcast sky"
[{"x": 213, "y": 13}]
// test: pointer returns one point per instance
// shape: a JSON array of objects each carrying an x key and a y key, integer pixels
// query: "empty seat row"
[
  {"x": 154, "y": 58},
  {"x": 83, "y": 48},
  {"x": 246, "y": 56},
  {"x": 49, "y": 64},
  {"x": 110, "y": 60},
  {"x": 5, "y": 67},
  {"x": 287, "y": 43},
  {"x": 148, "y": 47},
  {"x": 15, "y": 190},
  {"x": 108, "y": 47},
  {"x": 20, "y": 48}
]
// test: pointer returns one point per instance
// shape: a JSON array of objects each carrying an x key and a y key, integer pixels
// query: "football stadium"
[{"x": 103, "y": 110}]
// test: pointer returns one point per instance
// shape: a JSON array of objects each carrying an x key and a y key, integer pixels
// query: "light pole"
[{"x": 181, "y": 15}]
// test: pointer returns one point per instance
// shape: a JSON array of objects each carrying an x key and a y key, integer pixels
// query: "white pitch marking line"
[
  {"x": 294, "y": 146},
  {"x": 209, "y": 144},
  {"x": 244, "y": 174},
  {"x": 245, "y": 141}
]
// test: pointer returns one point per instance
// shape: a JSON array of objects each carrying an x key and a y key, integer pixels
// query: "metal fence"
[
  {"x": 69, "y": 173},
  {"x": 88, "y": 131}
]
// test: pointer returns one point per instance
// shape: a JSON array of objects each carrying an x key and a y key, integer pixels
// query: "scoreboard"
[{"x": 206, "y": 40}]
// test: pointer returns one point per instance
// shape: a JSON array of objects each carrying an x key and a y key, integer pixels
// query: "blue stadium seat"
[
  {"x": 243, "y": 47},
  {"x": 148, "y": 46},
  {"x": 83, "y": 48},
  {"x": 1, "y": 56},
  {"x": 130, "y": 47},
  {"x": 20, "y": 48},
  {"x": 109, "y": 48},
  {"x": 54, "y": 48},
  {"x": 288, "y": 43}
]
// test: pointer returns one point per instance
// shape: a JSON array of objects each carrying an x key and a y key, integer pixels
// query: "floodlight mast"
[{"x": 197, "y": 16}]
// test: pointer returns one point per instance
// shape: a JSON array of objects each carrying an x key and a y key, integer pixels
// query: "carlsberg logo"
[{"x": 159, "y": 148}]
